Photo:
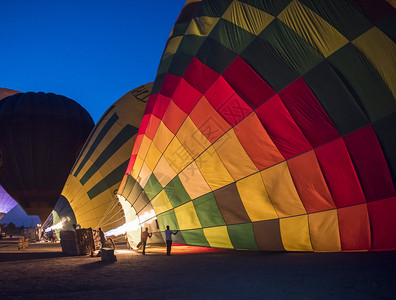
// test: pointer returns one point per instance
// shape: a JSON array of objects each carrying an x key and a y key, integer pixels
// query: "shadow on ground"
[
  {"x": 16, "y": 256},
  {"x": 93, "y": 265},
  {"x": 188, "y": 274}
]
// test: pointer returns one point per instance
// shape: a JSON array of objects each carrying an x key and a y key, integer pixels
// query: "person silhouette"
[
  {"x": 168, "y": 238},
  {"x": 145, "y": 234},
  {"x": 102, "y": 238}
]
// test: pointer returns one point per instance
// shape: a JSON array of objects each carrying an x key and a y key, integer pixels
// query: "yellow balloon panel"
[
  {"x": 247, "y": 17},
  {"x": 218, "y": 237},
  {"x": 324, "y": 230},
  {"x": 281, "y": 190},
  {"x": 314, "y": 29},
  {"x": 187, "y": 216},
  {"x": 255, "y": 198},
  {"x": 295, "y": 233}
]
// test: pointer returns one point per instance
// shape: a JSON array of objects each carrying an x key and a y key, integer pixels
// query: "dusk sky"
[{"x": 92, "y": 51}]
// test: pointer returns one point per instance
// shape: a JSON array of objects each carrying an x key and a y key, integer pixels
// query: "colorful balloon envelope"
[
  {"x": 41, "y": 136},
  {"x": 272, "y": 126},
  {"x": 6, "y": 202},
  {"x": 92, "y": 185}
]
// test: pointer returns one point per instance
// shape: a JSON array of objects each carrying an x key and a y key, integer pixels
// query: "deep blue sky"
[{"x": 92, "y": 51}]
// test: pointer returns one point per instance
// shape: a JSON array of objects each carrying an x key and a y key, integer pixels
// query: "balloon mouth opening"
[{"x": 134, "y": 223}]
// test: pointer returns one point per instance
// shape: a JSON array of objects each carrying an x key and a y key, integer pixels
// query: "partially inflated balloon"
[
  {"x": 61, "y": 218},
  {"x": 92, "y": 185},
  {"x": 6, "y": 202},
  {"x": 64, "y": 213},
  {"x": 271, "y": 126},
  {"x": 41, "y": 136}
]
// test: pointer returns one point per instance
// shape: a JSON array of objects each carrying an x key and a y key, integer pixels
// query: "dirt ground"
[{"x": 42, "y": 272}]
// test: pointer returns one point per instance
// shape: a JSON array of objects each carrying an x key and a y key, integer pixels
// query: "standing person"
[
  {"x": 168, "y": 237},
  {"x": 51, "y": 236},
  {"x": 145, "y": 234},
  {"x": 102, "y": 238}
]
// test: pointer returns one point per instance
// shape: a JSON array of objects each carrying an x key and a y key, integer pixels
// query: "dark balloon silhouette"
[
  {"x": 41, "y": 136},
  {"x": 6, "y": 201}
]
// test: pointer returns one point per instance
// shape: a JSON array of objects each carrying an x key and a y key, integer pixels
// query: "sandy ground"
[{"x": 42, "y": 272}]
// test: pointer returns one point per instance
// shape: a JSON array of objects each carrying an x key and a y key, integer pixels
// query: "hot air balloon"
[
  {"x": 271, "y": 126},
  {"x": 6, "y": 203},
  {"x": 92, "y": 185},
  {"x": 61, "y": 218},
  {"x": 41, "y": 137},
  {"x": 7, "y": 92}
]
